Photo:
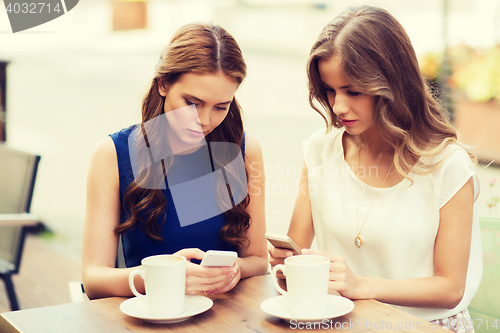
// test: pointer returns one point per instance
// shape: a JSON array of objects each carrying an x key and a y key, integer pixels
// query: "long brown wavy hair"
[
  {"x": 195, "y": 48},
  {"x": 378, "y": 59}
]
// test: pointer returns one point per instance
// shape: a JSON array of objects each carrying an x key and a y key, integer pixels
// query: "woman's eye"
[
  {"x": 353, "y": 93},
  {"x": 221, "y": 108},
  {"x": 330, "y": 93},
  {"x": 189, "y": 102}
]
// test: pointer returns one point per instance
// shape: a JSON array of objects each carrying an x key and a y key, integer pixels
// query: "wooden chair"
[{"x": 17, "y": 180}]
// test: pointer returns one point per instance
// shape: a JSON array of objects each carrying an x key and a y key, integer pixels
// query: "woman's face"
[
  {"x": 195, "y": 105},
  {"x": 354, "y": 109}
]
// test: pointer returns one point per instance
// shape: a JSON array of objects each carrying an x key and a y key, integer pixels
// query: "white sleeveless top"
[{"x": 399, "y": 233}]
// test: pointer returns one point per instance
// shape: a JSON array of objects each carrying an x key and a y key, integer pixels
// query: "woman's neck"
[
  {"x": 374, "y": 144},
  {"x": 367, "y": 152}
]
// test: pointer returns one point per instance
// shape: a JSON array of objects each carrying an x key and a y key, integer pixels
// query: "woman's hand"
[
  {"x": 342, "y": 279},
  {"x": 235, "y": 278},
  {"x": 206, "y": 279},
  {"x": 278, "y": 256}
]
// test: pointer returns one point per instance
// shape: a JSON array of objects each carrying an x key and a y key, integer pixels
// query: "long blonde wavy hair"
[{"x": 378, "y": 59}]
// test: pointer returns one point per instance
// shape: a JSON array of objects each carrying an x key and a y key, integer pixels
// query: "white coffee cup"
[
  {"x": 307, "y": 284},
  {"x": 165, "y": 281}
]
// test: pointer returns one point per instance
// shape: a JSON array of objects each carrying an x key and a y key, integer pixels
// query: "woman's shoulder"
[
  {"x": 122, "y": 142},
  {"x": 323, "y": 137},
  {"x": 449, "y": 160},
  {"x": 253, "y": 151},
  {"x": 105, "y": 150},
  {"x": 325, "y": 134},
  {"x": 103, "y": 162},
  {"x": 108, "y": 150},
  {"x": 453, "y": 155},
  {"x": 453, "y": 169},
  {"x": 254, "y": 161},
  {"x": 123, "y": 134},
  {"x": 321, "y": 144}
]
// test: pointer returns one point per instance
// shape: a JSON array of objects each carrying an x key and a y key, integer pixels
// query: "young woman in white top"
[{"x": 387, "y": 190}]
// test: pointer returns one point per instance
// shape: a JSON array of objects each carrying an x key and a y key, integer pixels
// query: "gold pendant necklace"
[{"x": 358, "y": 241}]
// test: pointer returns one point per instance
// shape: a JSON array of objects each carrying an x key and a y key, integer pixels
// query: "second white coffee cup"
[
  {"x": 307, "y": 284},
  {"x": 165, "y": 282}
]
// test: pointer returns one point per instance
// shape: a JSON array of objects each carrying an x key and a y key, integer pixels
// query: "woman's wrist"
[
  {"x": 366, "y": 288},
  {"x": 252, "y": 266}
]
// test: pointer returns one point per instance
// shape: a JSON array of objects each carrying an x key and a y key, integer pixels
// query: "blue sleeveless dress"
[{"x": 136, "y": 244}]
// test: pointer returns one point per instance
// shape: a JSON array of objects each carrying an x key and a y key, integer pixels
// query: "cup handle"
[
  {"x": 131, "y": 281},
  {"x": 275, "y": 279}
]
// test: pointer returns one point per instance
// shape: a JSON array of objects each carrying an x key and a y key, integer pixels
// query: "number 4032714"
[{"x": 31, "y": 8}]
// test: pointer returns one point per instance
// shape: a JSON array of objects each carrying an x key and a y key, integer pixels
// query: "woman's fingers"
[
  {"x": 191, "y": 253},
  {"x": 199, "y": 284},
  {"x": 277, "y": 255},
  {"x": 232, "y": 283},
  {"x": 199, "y": 278}
]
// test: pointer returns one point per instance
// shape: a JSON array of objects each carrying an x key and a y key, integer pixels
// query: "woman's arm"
[
  {"x": 301, "y": 228},
  {"x": 252, "y": 259},
  {"x": 451, "y": 255},
  {"x": 100, "y": 277},
  {"x": 102, "y": 215}
]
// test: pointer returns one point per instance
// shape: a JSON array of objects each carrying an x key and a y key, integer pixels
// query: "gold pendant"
[{"x": 358, "y": 241}]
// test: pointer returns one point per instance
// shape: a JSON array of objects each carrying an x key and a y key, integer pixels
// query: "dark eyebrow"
[
  {"x": 202, "y": 101},
  {"x": 343, "y": 87},
  {"x": 195, "y": 98}
]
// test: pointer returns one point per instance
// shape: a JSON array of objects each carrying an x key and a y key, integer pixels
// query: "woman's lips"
[
  {"x": 346, "y": 122},
  {"x": 196, "y": 133}
]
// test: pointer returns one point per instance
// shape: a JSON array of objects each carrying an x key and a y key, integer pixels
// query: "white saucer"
[
  {"x": 193, "y": 305},
  {"x": 336, "y": 306}
]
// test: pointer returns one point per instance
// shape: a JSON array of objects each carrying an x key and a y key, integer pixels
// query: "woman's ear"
[{"x": 162, "y": 88}]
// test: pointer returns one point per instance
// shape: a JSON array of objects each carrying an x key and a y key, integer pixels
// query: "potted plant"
[{"x": 475, "y": 88}]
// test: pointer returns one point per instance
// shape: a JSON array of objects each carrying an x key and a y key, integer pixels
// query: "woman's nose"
[
  {"x": 203, "y": 116},
  {"x": 340, "y": 107}
]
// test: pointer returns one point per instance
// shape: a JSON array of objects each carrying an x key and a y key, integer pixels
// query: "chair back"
[
  {"x": 485, "y": 306},
  {"x": 17, "y": 179}
]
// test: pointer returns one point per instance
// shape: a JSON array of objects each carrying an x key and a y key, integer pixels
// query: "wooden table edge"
[
  {"x": 374, "y": 310},
  {"x": 6, "y": 326}
]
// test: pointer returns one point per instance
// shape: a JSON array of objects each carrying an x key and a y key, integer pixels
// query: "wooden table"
[{"x": 235, "y": 311}]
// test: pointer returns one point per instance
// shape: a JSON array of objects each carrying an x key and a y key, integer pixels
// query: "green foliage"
[
  {"x": 480, "y": 78},
  {"x": 476, "y": 72}
]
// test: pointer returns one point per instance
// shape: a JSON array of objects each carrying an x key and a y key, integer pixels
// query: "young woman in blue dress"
[{"x": 189, "y": 110}]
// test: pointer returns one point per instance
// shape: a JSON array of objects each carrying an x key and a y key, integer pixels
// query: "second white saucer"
[
  {"x": 336, "y": 306},
  {"x": 193, "y": 305}
]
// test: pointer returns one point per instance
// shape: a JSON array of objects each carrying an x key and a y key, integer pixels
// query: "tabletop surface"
[{"x": 235, "y": 311}]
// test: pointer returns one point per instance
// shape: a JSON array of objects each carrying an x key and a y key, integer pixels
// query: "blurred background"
[{"x": 76, "y": 79}]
